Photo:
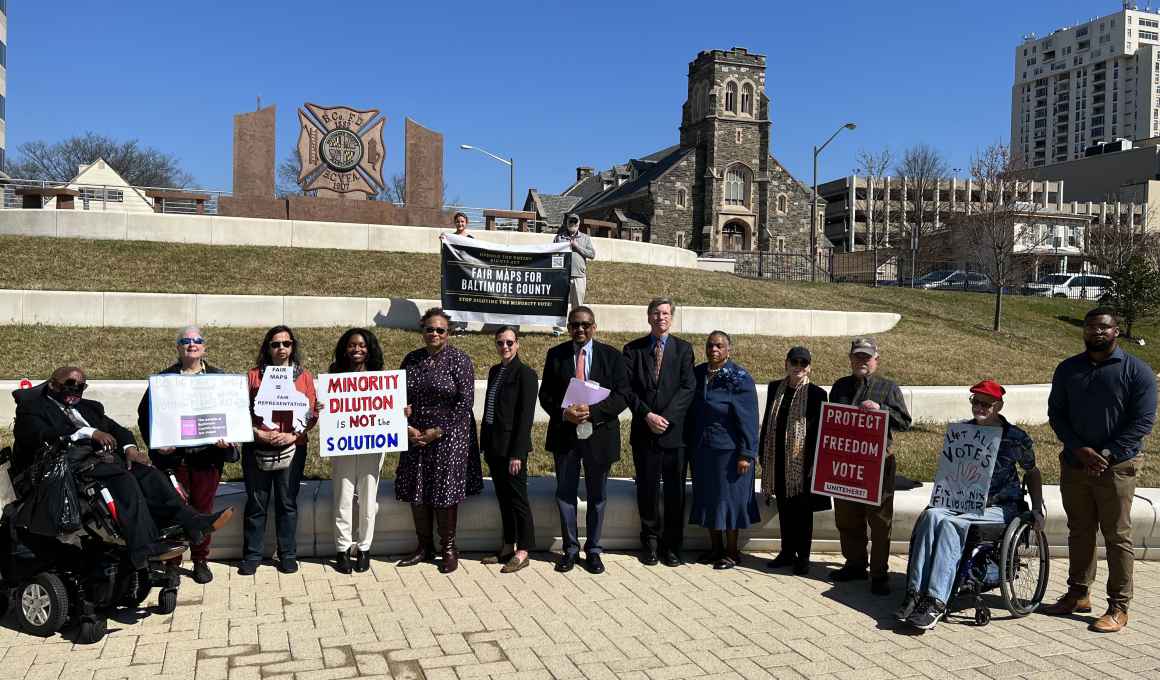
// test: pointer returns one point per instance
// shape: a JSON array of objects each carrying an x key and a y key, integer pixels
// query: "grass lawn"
[{"x": 915, "y": 450}]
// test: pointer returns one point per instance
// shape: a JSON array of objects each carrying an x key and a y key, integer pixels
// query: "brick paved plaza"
[{"x": 632, "y": 622}]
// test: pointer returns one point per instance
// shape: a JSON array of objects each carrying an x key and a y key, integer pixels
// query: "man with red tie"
[{"x": 587, "y": 435}]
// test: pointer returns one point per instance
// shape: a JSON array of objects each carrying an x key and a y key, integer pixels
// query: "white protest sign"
[
  {"x": 195, "y": 410},
  {"x": 362, "y": 413},
  {"x": 279, "y": 403},
  {"x": 965, "y": 467}
]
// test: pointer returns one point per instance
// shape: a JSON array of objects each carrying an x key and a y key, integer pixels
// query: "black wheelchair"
[
  {"x": 76, "y": 578},
  {"x": 1012, "y": 557}
]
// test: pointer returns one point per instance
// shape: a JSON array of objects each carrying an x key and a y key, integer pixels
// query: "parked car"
[
  {"x": 955, "y": 279},
  {"x": 1076, "y": 286}
]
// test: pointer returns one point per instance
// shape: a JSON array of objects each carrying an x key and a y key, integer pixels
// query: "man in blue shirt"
[{"x": 1102, "y": 405}]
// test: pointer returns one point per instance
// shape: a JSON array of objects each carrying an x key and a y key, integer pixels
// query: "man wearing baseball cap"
[
  {"x": 940, "y": 534},
  {"x": 865, "y": 389}
]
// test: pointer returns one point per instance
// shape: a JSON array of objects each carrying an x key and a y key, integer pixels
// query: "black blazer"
[
  {"x": 510, "y": 436},
  {"x": 815, "y": 397},
  {"x": 669, "y": 397},
  {"x": 608, "y": 370},
  {"x": 39, "y": 421}
]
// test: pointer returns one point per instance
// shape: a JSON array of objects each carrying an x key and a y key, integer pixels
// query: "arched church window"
[
  {"x": 737, "y": 179},
  {"x": 731, "y": 97},
  {"x": 747, "y": 99}
]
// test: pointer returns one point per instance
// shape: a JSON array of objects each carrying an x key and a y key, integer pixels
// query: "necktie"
[
  {"x": 74, "y": 417},
  {"x": 581, "y": 369},
  {"x": 658, "y": 356}
]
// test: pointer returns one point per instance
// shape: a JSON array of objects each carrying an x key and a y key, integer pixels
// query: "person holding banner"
[
  {"x": 1102, "y": 405},
  {"x": 940, "y": 534},
  {"x": 866, "y": 390},
  {"x": 721, "y": 435},
  {"x": 789, "y": 435},
  {"x": 272, "y": 465},
  {"x": 441, "y": 467},
  {"x": 585, "y": 432},
  {"x": 460, "y": 221},
  {"x": 504, "y": 441},
  {"x": 198, "y": 468},
  {"x": 357, "y": 350},
  {"x": 582, "y": 251}
]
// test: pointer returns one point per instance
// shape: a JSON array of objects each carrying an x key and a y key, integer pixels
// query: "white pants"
[{"x": 350, "y": 475}]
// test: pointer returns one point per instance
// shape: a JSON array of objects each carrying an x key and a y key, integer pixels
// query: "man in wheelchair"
[
  {"x": 55, "y": 413},
  {"x": 940, "y": 535}
]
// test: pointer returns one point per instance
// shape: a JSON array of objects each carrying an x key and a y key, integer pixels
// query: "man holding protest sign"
[
  {"x": 1102, "y": 405},
  {"x": 976, "y": 483},
  {"x": 870, "y": 392}
]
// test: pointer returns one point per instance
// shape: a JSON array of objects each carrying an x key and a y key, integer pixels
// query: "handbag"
[{"x": 272, "y": 460}]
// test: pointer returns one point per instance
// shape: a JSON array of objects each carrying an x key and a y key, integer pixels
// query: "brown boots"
[
  {"x": 447, "y": 519},
  {"x": 1071, "y": 603},
  {"x": 424, "y": 520}
]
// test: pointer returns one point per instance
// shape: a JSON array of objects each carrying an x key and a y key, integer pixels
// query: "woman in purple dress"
[{"x": 440, "y": 468}]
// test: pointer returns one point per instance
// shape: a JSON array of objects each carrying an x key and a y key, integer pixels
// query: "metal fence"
[{"x": 778, "y": 265}]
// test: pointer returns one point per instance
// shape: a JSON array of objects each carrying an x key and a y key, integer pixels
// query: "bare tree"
[
  {"x": 139, "y": 165},
  {"x": 874, "y": 166},
  {"x": 287, "y": 176},
  {"x": 922, "y": 170},
  {"x": 1003, "y": 224},
  {"x": 395, "y": 190}
]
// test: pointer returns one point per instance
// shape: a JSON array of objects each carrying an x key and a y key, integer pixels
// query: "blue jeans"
[
  {"x": 262, "y": 487},
  {"x": 937, "y": 546}
]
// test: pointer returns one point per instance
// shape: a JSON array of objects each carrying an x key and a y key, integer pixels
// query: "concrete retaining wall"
[
  {"x": 247, "y": 231},
  {"x": 1024, "y": 403},
  {"x": 479, "y": 523},
  {"x": 172, "y": 310}
]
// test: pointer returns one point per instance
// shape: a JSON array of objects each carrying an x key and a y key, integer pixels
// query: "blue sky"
[{"x": 555, "y": 85}]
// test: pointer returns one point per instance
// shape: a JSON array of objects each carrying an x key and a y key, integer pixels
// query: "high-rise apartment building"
[
  {"x": 1092, "y": 82},
  {"x": 3, "y": 82}
]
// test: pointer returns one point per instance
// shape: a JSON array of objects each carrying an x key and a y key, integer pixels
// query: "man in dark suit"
[
  {"x": 583, "y": 434},
  {"x": 55, "y": 412},
  {"x": 661, "y": 384}
]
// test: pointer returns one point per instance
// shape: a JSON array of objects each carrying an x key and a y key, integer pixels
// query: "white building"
[
  {"x": 102, "y": 188},
  {"x": 1092, "y": 82}
]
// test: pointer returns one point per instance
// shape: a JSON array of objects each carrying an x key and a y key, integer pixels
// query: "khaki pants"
[
  {"x": 578, "y": 288},
  {"x": 852, "y": 519},
  {"x": 1103, "y": 502}
]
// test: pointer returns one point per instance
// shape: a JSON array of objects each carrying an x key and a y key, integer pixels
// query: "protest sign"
[
  {"x": 504, "y": 284},
  {"x": 196, "y": 410},
  {"x": 279, "y": 403},
  {"x": 965, "y": 466},
  {"x": 851, "y": 453},
  {"x": 362, "y": 413}
]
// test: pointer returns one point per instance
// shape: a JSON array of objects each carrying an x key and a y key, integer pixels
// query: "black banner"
[{"x": 505, "y": 284}]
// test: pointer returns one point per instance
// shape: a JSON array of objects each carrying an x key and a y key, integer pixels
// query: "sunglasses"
[
  {"x": 72, "y": 385},
  {"x": 437, "y": 330},
  {"x": 800, "y": 363},
  {"x": 505, "y": 343},
  {"x": 585, "y": 325},
  {"x": 191, "y": 341},
  {"x": 275, "y": 344},
  {"x": 982, "y": 403}
]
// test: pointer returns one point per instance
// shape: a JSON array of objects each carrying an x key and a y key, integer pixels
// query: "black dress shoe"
[
  {"x": 849, "y": 573},
  {"x": 288, "y": 565},
  {"x": 247, "y": 568},
  {"x": 566, "y": 562},
  {"x": 594, "y": 564},
  {"x": 363, "y": 562},
  {"x": 801, "y": 567},
  {"x": 201, "y": 572},
  {"x": 342, "y": 562},
  {"x": 648, "y": 557},
  {"x": 783, "y": 559},
  {"x": 670, "y": 558}
]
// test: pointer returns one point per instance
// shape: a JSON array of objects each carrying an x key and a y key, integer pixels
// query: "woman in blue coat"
[{"x": 721, "y": 436}]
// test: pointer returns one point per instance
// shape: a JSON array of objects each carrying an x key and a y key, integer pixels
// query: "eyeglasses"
[
  {"x": 275, "y": 344},
  {"x": 799, "y": 363},
  {"x": 982, "y": 403},
  {"x": 505, "y": 343},
  {"x": 437, "y": 330},
  {"x": 585, "y": 325},
  {"x": 73, "y": 385},
  {"x": 192, "y": 341}
]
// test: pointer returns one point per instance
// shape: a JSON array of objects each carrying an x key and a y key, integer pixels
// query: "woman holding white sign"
[
  {"x": 441, "y": 467},
  {"x": 285, "y": 407},
  {"x": 357, "y": 350}
]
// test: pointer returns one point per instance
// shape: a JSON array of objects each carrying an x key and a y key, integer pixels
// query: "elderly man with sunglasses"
[
  {"x": 55, "y": 412},
  {"x": 940, "y": 534},
  {"x": 198, "y": 468}
]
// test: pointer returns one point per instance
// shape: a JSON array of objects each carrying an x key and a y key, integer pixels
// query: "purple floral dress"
[{"x": 441, "y": 390}]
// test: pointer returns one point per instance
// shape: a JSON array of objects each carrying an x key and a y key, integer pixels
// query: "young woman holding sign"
[
  {"x": 272, "y": 465},
  {"x": 357, "y": 350}
]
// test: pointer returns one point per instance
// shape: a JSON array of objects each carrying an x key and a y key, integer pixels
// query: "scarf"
[{"x": 795, "y": 441}]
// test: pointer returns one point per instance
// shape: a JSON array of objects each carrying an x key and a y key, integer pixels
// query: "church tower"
[{"x": 726, "y": 118}]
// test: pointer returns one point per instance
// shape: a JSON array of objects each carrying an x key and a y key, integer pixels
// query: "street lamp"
[
  {"x": 814, "y": 205},
  {"x": 510, "y": 162}
]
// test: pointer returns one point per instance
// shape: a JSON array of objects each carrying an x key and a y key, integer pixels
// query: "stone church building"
[{"x": 718, "y": 190}]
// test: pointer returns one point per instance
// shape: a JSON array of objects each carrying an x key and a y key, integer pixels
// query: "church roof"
[
  {"x": 648, "y": 169},
  {"x": 552, "y": 207}
]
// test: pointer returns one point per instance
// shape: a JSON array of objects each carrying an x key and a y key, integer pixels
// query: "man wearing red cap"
[{"x": 940, "y": 534}]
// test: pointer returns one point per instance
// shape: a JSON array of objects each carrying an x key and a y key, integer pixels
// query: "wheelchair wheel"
[
  {"x": 167, "y": 601},
  {"x": 1024, "y": 564},
  {"x": 42, "y": 605},
  {"x": 93, "y": 631}
]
